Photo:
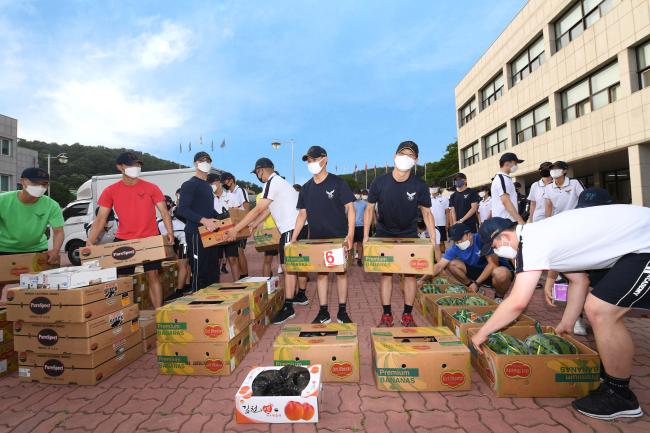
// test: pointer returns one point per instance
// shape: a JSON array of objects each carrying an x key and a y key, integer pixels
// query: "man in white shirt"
[
  {"x": 503, "y": 191},
  {"x": 561, "y": 194},
  {"x": 536, "y": 195},
  {"x": 485, "y": 205},
  {"x": 574, "y": 242},
  {"x": 238, "y": 199},
  {"x": 439, "y": 205},
  {"x": 227, "y": 252}
]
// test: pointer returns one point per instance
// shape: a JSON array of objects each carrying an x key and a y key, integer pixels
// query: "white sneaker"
[
  {"x": 580, "y": 328},
  {"x": 280, "y": 269}
]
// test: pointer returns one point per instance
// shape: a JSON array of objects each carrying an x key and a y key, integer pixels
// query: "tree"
[{"x": 60, "y": 193}]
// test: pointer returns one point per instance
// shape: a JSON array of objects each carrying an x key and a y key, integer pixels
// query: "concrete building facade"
[
  {"x": 13, "y": 159},
  {"x": 566, "y": 80}
]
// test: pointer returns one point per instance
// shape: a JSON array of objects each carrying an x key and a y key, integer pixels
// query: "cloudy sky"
[{"x": 356, "y": 77}]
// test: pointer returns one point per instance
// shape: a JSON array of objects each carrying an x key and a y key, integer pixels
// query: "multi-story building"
[
  {"x": 566, "y": 80},
  {"x": 13, "y": 159}
]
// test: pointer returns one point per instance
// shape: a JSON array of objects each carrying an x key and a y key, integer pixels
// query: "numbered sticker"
[{"x": 335, "y": 257}]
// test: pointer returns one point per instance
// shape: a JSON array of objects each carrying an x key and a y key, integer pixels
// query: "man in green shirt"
[{"x": 26, "y": 214}]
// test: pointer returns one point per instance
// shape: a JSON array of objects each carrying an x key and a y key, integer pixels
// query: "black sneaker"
[
  {"x": 300, "y": 298},
  {"x": 606, "y": 404},
  {"x": 342, "y": 317},
  {"x": 359, "y": 262},
  {"x": 323, "y": 317},
  {"x": 283, "y": 315},
  {"x": 223, "y": 269}
]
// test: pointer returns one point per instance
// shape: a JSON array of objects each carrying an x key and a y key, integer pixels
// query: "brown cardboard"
[
  {"x": 266, "y": 239},
  {"x": 203, "y": 318},
  {"x": 128, "y": 253},
  {"x": 257, "y": 294},
  {"x": 420, "y": 359},
  {"x": 13, "y": 265},
  {"x": 537, "y": 375},
  {"x": 203, "y": 359},
  {"x": 69, "y": 305},
  {"x": 6, "y": 328},
  {"x": 210, "y": 239},
  {"x": 77, "y": 338},
  {"x": 141, "y": 291},
  {"x": 58, "y": 370},
  {"x": 432, "y": 310},
  {"x": 258, "y": 326},
  {"x": 149, "y": 344},
  {"x": 147, "y": 322},
  {"x": 460, "y": 329},
  {"x": 6, "y": 347},
  {"x": 8, "y": 363},
  {"x": 398, "y": 256},
  {"x": 335, "y": 346},
  {"x": 308, "y": 255}
]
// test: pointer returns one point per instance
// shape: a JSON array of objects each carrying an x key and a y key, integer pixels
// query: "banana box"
[
  {"x": 147, "y": 323},
  {"x": 420, "y": 359},
  {"x": 258, "y": 326},
  {"x": 311, "y": 256},
  {"x": 537, "y": 375},
  {"x": 203, "y": 358},
  {"x": 203, "y": 318},
  {"x": 335, "y": 346},
  {"x": 272, "y": 283},
  {"x": 257, "y": 294},
  {"x": 266, "y": 239},
  {"x": 433, "y": 306},
  {"x": 475, "y": 313},
  {"x": 398, "y": 256},
  {"x": 12, "y": 266},
  {"x": 276, "y": 300}
]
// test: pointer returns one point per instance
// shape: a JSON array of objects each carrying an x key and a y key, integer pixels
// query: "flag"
[
  {"x": 181, "y": 147},
  {"x": 386, "y": 167},
  {"x": 375, "y": 170},
  {"x": 355, "y": 172},
  {"x": 212, "y": 145},
  {"x": 223, "y": 143},
  {"x": 425, "y": 172},
  {"x": 190, "y": 146},
  {"x": 336, "y": 168},
  {"x": 201, "y": 139}
]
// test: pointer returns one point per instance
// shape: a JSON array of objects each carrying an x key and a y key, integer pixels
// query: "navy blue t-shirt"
[
  {"x": 325, "y": 205},
  {"x": 197, "y": 201},
  {"x": 472, "y": 255}
]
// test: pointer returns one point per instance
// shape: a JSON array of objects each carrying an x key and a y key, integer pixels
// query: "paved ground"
[{"x": 139, "y": 399}]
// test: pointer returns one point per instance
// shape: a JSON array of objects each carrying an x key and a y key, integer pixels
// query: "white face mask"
[
  {"x": 404, "y": 162},
  {"x": 204, "y": 166},
  {"x": 364, "y": 197},
  {"x": 133, "y": 172},
  {"x": 481, "y": 194},
  {"x": 556, "y": 173},
  {"x": 214, "y": 188},
  {"x": 357, "y": 196},
  {"x": 514, "y": 168},
  {"x": 463, "y": 245},
  {"x": 314, "y": 167},
  {"x": 35, "y": 191},
  {"x": 505, "y": 251}
]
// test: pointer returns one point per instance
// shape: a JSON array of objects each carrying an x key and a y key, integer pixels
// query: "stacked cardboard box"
[
  {"x": 141, "y": 290},
  {"x": 8, "y": 357},
  {"x": 267, "y": 239},
  {"x": 461, "y": 329},
  {"x": 148, "y": 329},
  {"x": 433, "y": 311},
  {"x": 309, "y": 255},
  {"x": 75, "y": 336},
  {"x": 398, "y": 256},
  {"x": 169, "y": 277},
  {"x": 14, "y": 265},
  {"x": 128, "y": 253}
]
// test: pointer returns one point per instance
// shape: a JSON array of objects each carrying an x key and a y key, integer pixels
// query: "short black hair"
[{"x": 460, "y": 176}]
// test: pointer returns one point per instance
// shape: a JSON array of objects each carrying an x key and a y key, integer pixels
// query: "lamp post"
[
  {"x": 276, "y": 145},
  {"x": 62, "y": 158}
]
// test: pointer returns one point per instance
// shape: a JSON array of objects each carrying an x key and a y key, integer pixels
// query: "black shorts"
[
  {"x": 358, "y": 234},
  {"x": 130, "y": 270},
  {"x": 228, "y": 250},
  {"x": 626, "y": 284},
  {"x": 180, "y": 250},
  {"x": 443, "y": 233},
  {"x": 381, "y": 233},
  {"x": 286, "y": 237},
  {"x": 271, "y": 253},
  {"x": 242, "y": 243}
]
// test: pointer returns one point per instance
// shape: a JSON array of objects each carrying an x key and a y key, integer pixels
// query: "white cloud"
[{"x": 169, "y": 45}]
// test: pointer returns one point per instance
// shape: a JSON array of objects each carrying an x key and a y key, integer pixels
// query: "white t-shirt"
[
  {"x": 563, "y": 197},
  {"x": 537, "y": 195},
  {"x": 237, "y": 197},
  {"x": 425, "y": 235},
  {"x": 503, "y": 184},
  {"x": 284, "y": 200},
  {"x": 438, "y": 206},
  {"x": 179, "y": 229},
  {"x": 484, "y": 209},
  {"x": 222, "y": 203},
  {"x": 584, "y": 239}
]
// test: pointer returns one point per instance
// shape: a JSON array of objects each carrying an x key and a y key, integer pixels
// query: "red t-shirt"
[{"x": 135, "y": 208}]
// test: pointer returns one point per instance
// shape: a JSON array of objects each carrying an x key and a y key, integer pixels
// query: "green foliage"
[{"x": 60, "y": 193}]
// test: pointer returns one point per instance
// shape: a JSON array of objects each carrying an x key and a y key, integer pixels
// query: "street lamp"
[
  {"x": 276, "y": 145},
  {"x": 62, "y": 158}
]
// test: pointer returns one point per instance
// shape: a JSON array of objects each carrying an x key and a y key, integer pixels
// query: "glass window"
[
  {"x": 4, "y": 183},
  {"x": 586, "y": 181},
  {"x": 617, "y": 183},
  {"x": 470, "y": 154},
  {"x": 591, "y": 93},
  {"x": 468, "y": 111},
  {"x": 5, "y": 146},
  {"x": 580, "y": 17},
  {"x": 533, "y": 123},
  {"x": 495, "y": 142},
  {"x": 492, "y": 91},
  {"x": 79, "y": 209},
  {"x": 643, "y": 64},
  {"x": 528, "y": 61}
]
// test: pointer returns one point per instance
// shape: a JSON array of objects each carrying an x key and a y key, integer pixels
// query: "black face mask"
[
  {"x": 545, "y": 173},
  {"x": 259, "y": 178}
]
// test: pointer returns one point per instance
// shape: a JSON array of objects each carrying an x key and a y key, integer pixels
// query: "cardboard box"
[
  {"x": 272, "y": 283},
  {"x": 433, "y": 311},
  {"x": 335, "y": 346},
  {"x": 266, "y": 239},
  {"x": 257, "y": 294},
  {"x": 538, "y": 375},
  {"x": 68, "y": 278},
  {"x": 69, "y": 305},
  {"x": 251, "y": 409},
  {"x": 147, "y": 323},
  {"x": 128, "y": 253},
  {"x": 276, "y": 300},
  {"x": 460, "y": 329},
  {"x": 77, "y": 338},
  {"x": 8, "y": 363},
  {"x": 149, "y": 344},
  {"x": 13, "y": 265},
  {"x": 6, "y": 328},
  {"x": 203, "y": 359},
  {"x": 210, "y": 239},
  {"x": 258, "y": 326},
  {"x": 420, "y": 359},
  {"x": 6, "y": 347},
  {"x": 141, "y": 291},
  {"x": 59, "y": 369},
  {"x": 398, "y": 256},
  {"x": 308, "y": 255},
  {"x": 203, "y": 318}
]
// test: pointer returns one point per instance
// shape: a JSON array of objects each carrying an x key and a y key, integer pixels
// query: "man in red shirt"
[{"x": 135, "y": 202}]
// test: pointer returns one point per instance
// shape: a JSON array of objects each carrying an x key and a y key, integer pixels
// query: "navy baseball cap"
[
  {"x": 509, "y": 156},
  {"x": 128, "y": 158},
  {"x": 594, "y": 197},
  {"x": 457, "y": 231},
  {"x": 410, "y": 145},
  {"x": 212, "y": 177},
  {"x": 314, "y": 152},
  {"x": 202, "y": 155},
  {"x": 35, "y": 174},
  {"x": 490, "y": 229},
  {"x": 263, "y": 163}
]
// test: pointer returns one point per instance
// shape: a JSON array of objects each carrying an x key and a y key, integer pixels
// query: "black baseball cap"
[
  {"x": 594, "y": 197},
  {"x": 545, "y": 166},
  {"x": 314, "y": 152},
  {"x": 263, "y": 163},
  {"x": 128, "y": 158},
  {"x": 509, "y": 156},
  {"x": 35, "y": 174},
  {"x": 411, "y": 145},
  {"x": 457, "y": 231},
  {"x": 560, "y": 164},
  {"x": 490, "y": 229},
  {"x": 225, "y": 176},
  {"x": 212, "y": 177},
  {"x": 201, "y": 155}
]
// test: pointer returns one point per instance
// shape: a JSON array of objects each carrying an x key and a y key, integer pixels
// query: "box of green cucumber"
[
  {"x": 532, "y": 361},
  {"x": 460, "y": 319}
]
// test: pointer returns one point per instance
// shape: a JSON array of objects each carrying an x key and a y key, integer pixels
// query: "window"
[
  {"x": 5, "y": 146},
  {"x": 533, "y": 123},
  {"x": 4, "y": 182},
  {"x": 495, "y": 142},
  {"x": 580, "y": 17},
  {"x": 470, "y": 154},
  {"x": 492, "y": 92},
  {"x": 531, "y": 59},
  {"x": 591, "y": 93},
  {"x": 75, "y": 210},
  {"x": 468, "y": 111},
  {"x": 586, "y": 181},
  {"x": 617, "y": 183},
  {"x": 643, "y": 64}
]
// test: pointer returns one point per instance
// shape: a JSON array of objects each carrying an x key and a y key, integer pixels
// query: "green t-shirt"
[{"x": 22, "y": 226}]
